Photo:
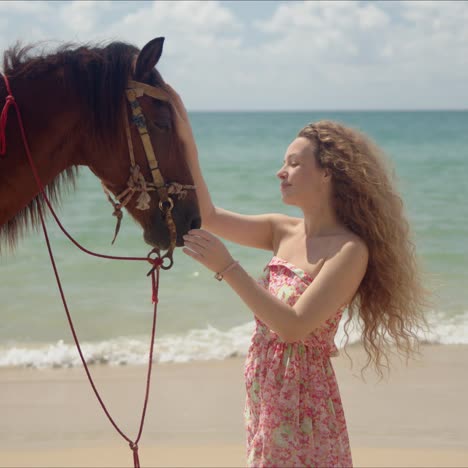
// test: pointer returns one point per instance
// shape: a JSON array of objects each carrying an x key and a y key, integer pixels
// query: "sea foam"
[{"x": 196, "y": 345}]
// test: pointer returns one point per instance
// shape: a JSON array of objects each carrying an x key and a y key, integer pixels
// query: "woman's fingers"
[
  {"x": 196, "y": 240},
  {"x": 195, "y": 246},
  {"x": 199, "y": 232},
  {"x": 207, "y": 249},
  {"x": 202, "y": 234},
  {"x": 193, "y": 254}
]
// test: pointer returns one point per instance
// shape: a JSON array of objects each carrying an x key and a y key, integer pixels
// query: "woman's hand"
[
  {"x": 181, "y": 118},
  {"x": 207, "y": 249}
]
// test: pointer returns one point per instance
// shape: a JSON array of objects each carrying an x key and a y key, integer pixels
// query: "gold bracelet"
[{"x": 219, "y": 276}]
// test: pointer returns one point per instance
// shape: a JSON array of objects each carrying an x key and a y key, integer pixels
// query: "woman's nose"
[{"x": 281, "y": 174}]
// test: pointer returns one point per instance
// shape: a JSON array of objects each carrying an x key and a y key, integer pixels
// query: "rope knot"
[
  {"x": 117, "y": 212},
  {"x": 136, "y": 459},
  {"x": 154, "y": 257},
  {"x": 157, "y": 262}
]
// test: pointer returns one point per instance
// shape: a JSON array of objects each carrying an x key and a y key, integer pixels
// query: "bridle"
[{"x": 136, "y": 182}]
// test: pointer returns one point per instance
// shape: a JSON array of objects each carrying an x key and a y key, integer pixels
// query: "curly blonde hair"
[{"x": 390, "y": 301}]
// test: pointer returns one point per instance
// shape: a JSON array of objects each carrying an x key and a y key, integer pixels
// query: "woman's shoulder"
[
  {"x": 348, "y": 241},
  {"x": 349, "y": 238},
  {"x": 282, "y": 221},
  {"x": 284, "y": 224},
  {"x": 283, "y": 227}
]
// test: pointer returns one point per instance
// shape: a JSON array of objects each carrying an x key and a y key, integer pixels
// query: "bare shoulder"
[
  {"x": 283, "y": 226},
  {"x": 356, "y": 243},
  {"x": 283, "y": 222},
  {"x": 350, "y": 247}
]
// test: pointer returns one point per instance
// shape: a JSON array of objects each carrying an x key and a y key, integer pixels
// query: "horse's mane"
[
  {"x": 28, "y": 218},
  {"x": 98, "y": 74}
]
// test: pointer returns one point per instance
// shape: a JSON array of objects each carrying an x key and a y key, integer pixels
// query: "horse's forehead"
[{"x": 156, "y": 76}]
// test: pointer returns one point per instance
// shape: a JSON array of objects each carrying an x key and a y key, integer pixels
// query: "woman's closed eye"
[{"x": 290, "y": 163}]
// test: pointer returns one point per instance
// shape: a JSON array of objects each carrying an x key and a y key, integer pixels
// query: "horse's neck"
[{"x": 49, "y": 117}]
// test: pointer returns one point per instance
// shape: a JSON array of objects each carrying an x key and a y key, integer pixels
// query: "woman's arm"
[
  {"x": 254, "y": 231},
  {"x": 333, "y": 287}
]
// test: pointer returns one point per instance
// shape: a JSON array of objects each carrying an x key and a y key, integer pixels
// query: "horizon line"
[{"x": 330, "y": 110}]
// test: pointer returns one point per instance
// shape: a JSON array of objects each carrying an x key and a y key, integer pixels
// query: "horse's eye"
[
  {"x": 162, "y": 118},
  {"x": 161, "y": 124}
]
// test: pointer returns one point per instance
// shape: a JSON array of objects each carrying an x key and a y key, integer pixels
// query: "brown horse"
[{"x": 75, "y": 113}]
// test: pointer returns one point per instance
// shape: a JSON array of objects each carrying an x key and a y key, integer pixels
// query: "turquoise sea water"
[{"x": 200, "y": 318}]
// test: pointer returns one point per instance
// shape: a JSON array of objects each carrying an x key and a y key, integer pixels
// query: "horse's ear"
[{"x": 148, "y": 57}]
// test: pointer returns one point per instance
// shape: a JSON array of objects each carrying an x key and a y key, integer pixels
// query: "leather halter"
[{"x": 136, "y": 181}]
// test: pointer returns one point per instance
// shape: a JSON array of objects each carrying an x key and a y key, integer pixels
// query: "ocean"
[{"x": 200, "y": 318}]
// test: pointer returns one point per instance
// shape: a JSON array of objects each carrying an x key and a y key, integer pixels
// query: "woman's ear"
[{"x": 327, "y": 174}]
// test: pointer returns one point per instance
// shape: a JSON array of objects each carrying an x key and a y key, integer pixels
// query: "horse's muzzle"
[{"x": 159, "y": 236}]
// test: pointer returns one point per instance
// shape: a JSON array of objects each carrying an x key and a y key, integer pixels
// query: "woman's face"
[{"x": 302, "y": 181}]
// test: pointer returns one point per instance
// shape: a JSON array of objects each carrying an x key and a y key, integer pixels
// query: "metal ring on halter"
[
  {"x": 171, "y": 261},
  {"x": 163, "y": 205}
]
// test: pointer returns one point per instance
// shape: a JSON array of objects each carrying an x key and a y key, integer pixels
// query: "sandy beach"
[{"x": 50, "y": 418}]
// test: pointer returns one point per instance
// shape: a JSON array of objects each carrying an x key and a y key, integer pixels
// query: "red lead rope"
[
  {"x": 155, "y": 262},
  {"x": 3, "y": 120}
]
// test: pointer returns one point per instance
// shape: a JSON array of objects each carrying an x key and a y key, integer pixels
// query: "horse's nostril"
[{"x": 195, "y": 223}]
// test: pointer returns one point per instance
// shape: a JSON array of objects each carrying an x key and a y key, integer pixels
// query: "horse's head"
[{"x": 154, "y": 184}]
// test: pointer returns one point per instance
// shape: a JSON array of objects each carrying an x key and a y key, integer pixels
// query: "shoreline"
[{"x": 50, "y": 417}]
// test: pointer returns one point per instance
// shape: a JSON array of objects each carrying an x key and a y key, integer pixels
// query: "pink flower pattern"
[{"x": 293, "y": 413}]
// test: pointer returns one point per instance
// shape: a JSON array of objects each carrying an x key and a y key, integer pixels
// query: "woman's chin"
[{"x": 287, "y": 200}]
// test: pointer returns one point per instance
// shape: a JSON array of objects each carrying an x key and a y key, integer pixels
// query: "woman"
[{"x": 351, "y": 249}]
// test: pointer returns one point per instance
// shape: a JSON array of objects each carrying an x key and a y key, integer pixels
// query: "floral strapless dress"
[{"x": 293, "y": 414}]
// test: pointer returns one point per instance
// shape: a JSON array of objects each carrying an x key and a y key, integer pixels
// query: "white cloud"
[
  {"x": 357, "y": 48},
  {"x": 347, "y": 54},
  {"x": 82, "y": 17},
  {"x": 185, "y": 21},
  {"x": 325, "y": 31},
  {"x": 372, "y": 17},
  {"x": 25, "y": 7},
  {"x": 323, "y": 16}
]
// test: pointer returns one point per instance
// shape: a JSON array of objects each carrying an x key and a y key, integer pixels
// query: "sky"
[{"x": 276, "y": 55}]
